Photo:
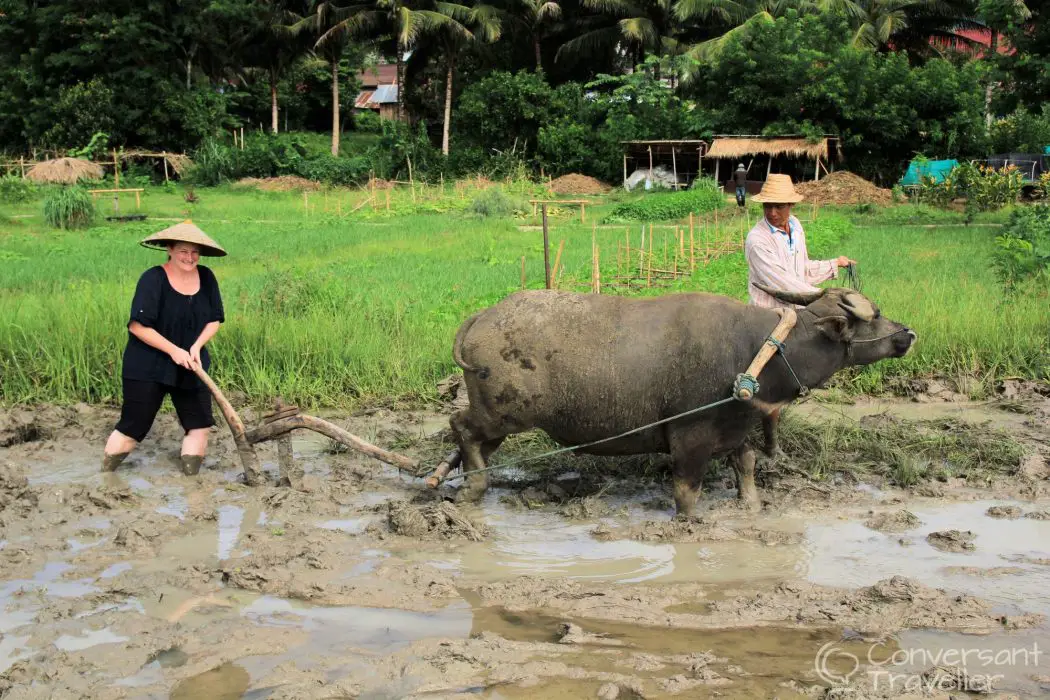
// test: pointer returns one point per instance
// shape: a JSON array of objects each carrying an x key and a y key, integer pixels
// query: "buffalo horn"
[
  {"x": 858, "y": 306},
  {"x": 803, "y": 298}
]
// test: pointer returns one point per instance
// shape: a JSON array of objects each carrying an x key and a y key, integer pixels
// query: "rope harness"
[{"x": 745, "y": 387}]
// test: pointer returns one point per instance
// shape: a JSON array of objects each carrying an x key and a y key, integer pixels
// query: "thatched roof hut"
[
  {"x": 749, "y": 146},
  {"x": 66, "y": 171},
  {"x": 799, "y": 157}
]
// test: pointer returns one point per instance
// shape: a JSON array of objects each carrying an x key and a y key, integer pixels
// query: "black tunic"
[{"x": 180, "y": 318}]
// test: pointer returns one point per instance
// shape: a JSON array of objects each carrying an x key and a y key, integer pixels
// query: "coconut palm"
[
  {"x": 639, "y": 27},
  {"x": 322, "y": 19},
  {"x": 534, "y": 16},
  {"x": 464, "y": 24}
]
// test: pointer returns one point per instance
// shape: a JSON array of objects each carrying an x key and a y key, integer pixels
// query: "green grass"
[{"x": 335, "y": 310}]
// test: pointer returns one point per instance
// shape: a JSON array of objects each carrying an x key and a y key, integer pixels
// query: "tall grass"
[
  {"x": 331, "y": 310},
  {"x": 68, "y": 207}
]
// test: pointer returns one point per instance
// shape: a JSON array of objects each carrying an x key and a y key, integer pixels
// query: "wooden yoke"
[{"x": 780, "y": 333}]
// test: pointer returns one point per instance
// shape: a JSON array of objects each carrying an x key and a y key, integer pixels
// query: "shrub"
[
  {"x": 659, "y": 206},
  {"x": 13, "y": 189},
  {"x": 493, "y": 202},
  {"x": 68, "y": 207},
  {"x": 368, "y": 122},
  {"x": 335, "y": 171},
  {"x": 1022, "y": 250},
  {"x": 988, "y": 189}
]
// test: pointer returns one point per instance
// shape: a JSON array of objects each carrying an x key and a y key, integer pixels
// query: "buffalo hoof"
[{"x": 472, "y": 491}]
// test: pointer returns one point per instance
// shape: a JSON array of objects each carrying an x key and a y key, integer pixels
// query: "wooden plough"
[{"x": 285, "y": 418}]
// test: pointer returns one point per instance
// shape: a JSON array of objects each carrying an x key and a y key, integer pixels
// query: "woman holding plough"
[{"x": 176, "y": 310}]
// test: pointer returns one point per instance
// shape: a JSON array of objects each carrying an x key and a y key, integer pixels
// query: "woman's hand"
[
  {"x": 195, "y": 353},
  {"x": 181, "y": 358}
]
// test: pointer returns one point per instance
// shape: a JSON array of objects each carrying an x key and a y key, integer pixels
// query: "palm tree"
[
  {"x": 533, "y": 16},
  {"x": 275, "y": 48},
  {"x": 325, "y": 20},
  {"x": 453, "y": 34},
  {"x": 642, "y": 27}
]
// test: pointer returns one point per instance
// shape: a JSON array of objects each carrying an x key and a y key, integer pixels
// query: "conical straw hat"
[
  {"x": 778, "y": 189},
  {"x": 186, "y": 232}
]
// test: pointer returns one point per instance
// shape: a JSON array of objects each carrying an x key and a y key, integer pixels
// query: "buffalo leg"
[
  {"x": 744, "y": 463},
  {"x": 690, "y": 458},
  {"x": 475, "y": 450},
  {"x": 770, "y": 422}
]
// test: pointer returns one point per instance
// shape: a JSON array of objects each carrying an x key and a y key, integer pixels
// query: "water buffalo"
[{"x": 583, "y": 367}]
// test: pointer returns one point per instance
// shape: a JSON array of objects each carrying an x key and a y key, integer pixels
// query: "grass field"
[{"x": 332, "y": 308}]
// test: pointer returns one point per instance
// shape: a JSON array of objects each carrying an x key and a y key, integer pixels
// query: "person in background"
[
  {"x": 740, "y": 179},
  {"x": 775, "y": 248},
  {"x": 176, "y": 310}
]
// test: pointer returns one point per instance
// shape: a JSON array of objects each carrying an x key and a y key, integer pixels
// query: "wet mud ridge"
[{"x": 881, "y": 546}]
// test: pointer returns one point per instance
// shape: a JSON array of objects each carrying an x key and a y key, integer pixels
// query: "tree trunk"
[
  {"x": 539, "y": 54},
  {"x": 189, "y": 73},
  {"x": 400, "y": 83},
  {"x": 448, "y": 103},
  {"x": 335, "y": 107},
  {"x": 993, "y": 49},
  {"x": 273, "y": 102}
]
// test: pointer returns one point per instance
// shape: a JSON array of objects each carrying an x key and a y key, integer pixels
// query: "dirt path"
[{"x": 149, "y": 584}]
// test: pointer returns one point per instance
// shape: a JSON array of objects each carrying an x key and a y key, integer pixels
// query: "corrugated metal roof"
[
  {"x": 385, "y": 94},
  {"x": 364, "y": 100}
]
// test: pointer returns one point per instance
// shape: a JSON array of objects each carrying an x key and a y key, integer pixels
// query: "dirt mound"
[
  {"x": 434, "y": 520},
  {"x": 1004, "y": 512},
  {"x": 574, "y": 183},
  {"x": 843, "y": 187},
  {"x": 15, "y": 492},
  {"x": 285, "y": 183},
  {"x": 952, "y": 540},
  {"x": 894, "y": 522}
]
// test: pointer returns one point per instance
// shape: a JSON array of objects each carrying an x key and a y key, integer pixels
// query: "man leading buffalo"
[
  {"x": 777, "y": 258},
  {"x": 776, "y": 248}
]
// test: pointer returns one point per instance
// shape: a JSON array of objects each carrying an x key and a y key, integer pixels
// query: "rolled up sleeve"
[{"x": 818, "y": 271}]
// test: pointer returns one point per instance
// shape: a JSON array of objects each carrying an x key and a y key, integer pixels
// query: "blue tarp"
[{"x": 937, "y": 169}]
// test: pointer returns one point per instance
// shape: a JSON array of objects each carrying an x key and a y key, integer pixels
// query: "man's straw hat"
[
  {"x": 778, "y": 189},
  {"x": 185, "y": 232}
]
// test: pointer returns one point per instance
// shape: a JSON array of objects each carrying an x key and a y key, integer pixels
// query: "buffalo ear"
[{"x": 837, "y": 328}]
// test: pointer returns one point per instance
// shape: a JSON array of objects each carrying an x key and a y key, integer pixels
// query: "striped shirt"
[{"x": 777, "y": 258}]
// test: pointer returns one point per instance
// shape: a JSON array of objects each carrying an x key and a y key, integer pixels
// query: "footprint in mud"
[
  {"x": 226, "y": 682},
  {"x": 953, "y": 540}
]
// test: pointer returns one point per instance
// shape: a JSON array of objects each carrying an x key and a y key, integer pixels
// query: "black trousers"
[{"x": 142, "y": 400}]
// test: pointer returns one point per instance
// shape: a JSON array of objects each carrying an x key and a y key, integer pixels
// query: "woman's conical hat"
[
  {"x": 186, "y": 232},
  {"x": 778, "y": 189}
]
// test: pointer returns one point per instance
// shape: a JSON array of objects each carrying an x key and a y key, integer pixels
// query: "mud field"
[{"x": 361, "y": 583}]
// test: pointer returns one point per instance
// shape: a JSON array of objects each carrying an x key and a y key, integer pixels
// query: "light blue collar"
[{"x": 790, "y": 233}]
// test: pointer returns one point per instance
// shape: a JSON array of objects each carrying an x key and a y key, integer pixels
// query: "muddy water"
[{"x": 137, "y": 599}]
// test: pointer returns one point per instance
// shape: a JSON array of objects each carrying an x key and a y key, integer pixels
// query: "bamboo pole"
[
  {"x": 557, "y": 261},
  {"x": 116, "y": 169},
  {"x": 546, "y": 247},
  {"x": 649, "y": 275}
]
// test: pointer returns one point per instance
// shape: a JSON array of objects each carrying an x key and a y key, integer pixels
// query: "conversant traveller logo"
[{"x": 975, "y": 670}]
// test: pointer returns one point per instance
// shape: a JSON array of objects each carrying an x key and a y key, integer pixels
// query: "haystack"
[{"x": 65, "y": 171}]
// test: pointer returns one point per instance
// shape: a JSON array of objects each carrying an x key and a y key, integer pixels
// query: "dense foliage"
[
  {"x": 501, "y": 85},
  {"x": 1023, "y": 248}
]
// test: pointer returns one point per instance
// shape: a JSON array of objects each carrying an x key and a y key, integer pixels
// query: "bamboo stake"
[
  {"x": 649, "y": 275},
  {"x": 641, "y": 254},
  {"x": 306, "y": 203},
  {"x": 557, "y": 260}
]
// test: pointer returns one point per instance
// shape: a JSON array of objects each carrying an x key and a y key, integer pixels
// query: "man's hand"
[{"x": 843, "y": 261}]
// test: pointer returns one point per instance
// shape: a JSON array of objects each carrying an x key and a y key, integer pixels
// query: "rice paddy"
[{"x": 338, "y": 299}]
